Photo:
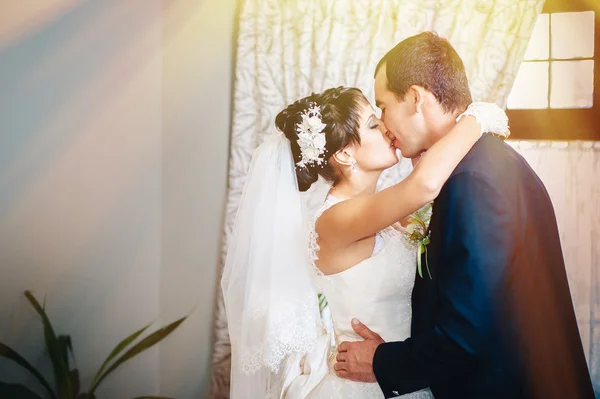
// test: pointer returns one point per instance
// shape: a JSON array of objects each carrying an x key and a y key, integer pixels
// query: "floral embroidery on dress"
[{"x": 313, "y": 237}]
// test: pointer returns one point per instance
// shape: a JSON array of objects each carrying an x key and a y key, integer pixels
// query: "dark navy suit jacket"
[{"x": 496, "y": 320}]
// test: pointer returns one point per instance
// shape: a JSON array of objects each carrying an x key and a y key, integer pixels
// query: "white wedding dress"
[
  {"x": 269, "y": 280},
  {"x": 377, "y": 291}
]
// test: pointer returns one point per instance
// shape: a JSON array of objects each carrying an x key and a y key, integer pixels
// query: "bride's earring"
[{"x": 353, "y": 165}]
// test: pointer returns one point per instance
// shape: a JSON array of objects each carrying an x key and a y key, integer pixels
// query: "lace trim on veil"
[{"x": 288, "y": 333}]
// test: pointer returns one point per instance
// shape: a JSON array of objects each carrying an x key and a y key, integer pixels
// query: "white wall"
[
  {"x": 106, "y": 209},
  {"x": 198, "y": 40}
]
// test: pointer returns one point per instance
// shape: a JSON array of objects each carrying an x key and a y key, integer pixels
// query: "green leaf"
[
  {"x": 419, "y": 253},
  {"x": 423, "y": 226},
  {"x": 118, "y": 349},
  {"x": 9, "y": 353},
  {"x": 66, "y": 346},
  {"x": 16, "y": 391},
  {"x": 154, "y": 397},
  {"x": 53, "y": 346},
  {"x": 66, "y": 340},
  {"x": 141, "y": 346},
  {"x": 422, "y": 249},
  {"x": 426, "y": 261},
  {"x": 75, "y": 385},
  {"x": 322, "y": 302},
  {"x": 425, "y": 209}
]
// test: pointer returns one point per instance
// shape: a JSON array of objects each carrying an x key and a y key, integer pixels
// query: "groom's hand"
[{"x": 355, "y": 359}]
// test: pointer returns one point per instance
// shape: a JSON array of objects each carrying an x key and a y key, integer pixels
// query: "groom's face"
[{"x": 400, "y": 117}]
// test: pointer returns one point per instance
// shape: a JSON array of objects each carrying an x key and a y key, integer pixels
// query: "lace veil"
[{"x": 270, "y": 300}]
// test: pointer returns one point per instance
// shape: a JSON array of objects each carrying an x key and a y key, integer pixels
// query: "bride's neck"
[{"x": 356, "y": 185}]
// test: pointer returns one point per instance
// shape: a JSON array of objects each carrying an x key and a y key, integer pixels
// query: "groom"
[{"x": 495, "y": 320}]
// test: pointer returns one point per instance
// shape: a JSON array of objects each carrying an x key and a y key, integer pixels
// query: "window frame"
[{"x": 563, "y": 123}]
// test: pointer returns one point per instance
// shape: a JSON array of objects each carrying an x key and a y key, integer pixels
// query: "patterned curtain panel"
[{"x": 288, "y": 49}]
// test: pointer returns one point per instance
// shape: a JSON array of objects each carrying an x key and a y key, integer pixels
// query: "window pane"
[
  {"x": 530, "y": 89},
  {"x": 573, "y": 35},
  {"x": 539, "y": 45},
  {"x": 572, "y": 84}
]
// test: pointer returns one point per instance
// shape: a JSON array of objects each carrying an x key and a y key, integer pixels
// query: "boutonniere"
[{"x": 418, "y": 228}]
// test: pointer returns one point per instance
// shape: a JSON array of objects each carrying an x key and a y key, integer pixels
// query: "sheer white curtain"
[
  {"x": 571, "y": 173},
  {"x": 286, "y": 50}
]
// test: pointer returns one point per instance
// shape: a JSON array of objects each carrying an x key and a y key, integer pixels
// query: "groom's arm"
[{"x": 475, "y": 249}]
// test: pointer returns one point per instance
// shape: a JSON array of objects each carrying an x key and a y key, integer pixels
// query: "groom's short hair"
[{"x": 429, "y": 61}]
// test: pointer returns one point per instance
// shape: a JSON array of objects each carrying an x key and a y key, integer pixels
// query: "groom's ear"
[{"x": 416, "y": 96}]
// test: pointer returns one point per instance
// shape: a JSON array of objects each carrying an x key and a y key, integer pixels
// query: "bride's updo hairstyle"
[{"x": 340, "y": 111}]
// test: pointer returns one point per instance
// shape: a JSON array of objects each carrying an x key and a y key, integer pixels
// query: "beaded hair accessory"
[{"x": 311, "y": 138}]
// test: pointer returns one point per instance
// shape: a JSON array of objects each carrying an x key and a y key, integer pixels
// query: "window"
[{"x": 556, "y": 94}]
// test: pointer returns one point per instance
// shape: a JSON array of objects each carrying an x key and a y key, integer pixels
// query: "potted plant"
[{"x": 66, "y": 377}]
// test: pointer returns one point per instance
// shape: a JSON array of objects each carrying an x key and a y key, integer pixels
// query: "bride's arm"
[{"x": 360, "y": 217}]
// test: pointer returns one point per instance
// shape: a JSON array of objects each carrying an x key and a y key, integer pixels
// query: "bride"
[{"x": 354, "y": 250}]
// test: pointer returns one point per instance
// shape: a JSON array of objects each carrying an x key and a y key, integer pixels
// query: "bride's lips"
[{"x": 392, "y": 139}]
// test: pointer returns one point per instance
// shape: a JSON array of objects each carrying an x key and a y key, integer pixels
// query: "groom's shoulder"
[{"x": 491, "y": 158}]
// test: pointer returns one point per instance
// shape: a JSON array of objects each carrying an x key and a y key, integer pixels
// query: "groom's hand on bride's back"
[{"x": 355, "y": 359}]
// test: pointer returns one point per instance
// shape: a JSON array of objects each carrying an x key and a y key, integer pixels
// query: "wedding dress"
[
  {"x": 377, "y": 291},
  {"x": 270, "y": 285}
]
